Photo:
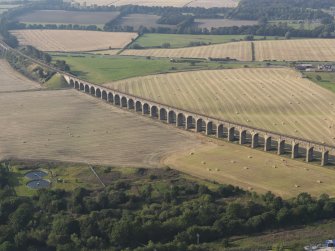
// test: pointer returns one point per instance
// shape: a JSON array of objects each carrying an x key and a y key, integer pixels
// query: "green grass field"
[
  {"x": 327, "y": 79},
  {"x": 101, "y": 69},
  {"x": 178, "y": 41}
]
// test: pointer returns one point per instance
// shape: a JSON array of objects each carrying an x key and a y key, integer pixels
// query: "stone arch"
[
  {"x": 146, "y": 108},
  {"x": 124, "y": 102},
  {"x": 76, "y": 85},
  {"x": 110, "y": 97},
  {"x": 82, "y": 87},
  {"x": 87, "y": 88},
  {"x": 71, "y": 83},
  {"x": 181, "y": 119},
  {"x": 163, "y": 114},
  {"x": 154, "y": 111},
  {"x": 92, "y": 90},
  {"x": 190, "y": 122},
  {"x": 131, "y": 104},
  {"x": 98, "y": 92},
  {"x": 172, "y": 117},
  {"x": 117, "y": 99},
  {"x": 104, "y": 95},
  {"x": 138, "y": 106},
  {"x": 220, "y": 131},
  {"x": 210, "y": 128},
  {"x": 200, "y": 125}
]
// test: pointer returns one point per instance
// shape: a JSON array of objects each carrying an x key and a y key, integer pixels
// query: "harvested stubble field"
[
  {"x": 68, "y": 17},
  {"x": 276, "y": 99},
  {"x": 71, "y": 126},
  {"x": 294, "y": 50},
  {"x": 10, "y": 80},
  {"x": 239, "y": 50},
  {"x": 209, "y": 23},
  {"x": 73, "y": 40},
  {"x": 280, "y": 50},
  {"x": 174, "y": 3},
  {"x": 254, "y": 170}
]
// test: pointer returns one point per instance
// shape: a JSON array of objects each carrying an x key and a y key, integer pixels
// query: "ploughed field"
[
  {"x": 68, "y": 17},
  {"x": 174, "y": 3},
  {"x": 71, "y": 126},
  {"x": 280, "y": 50},
  {"x": 73, "y": 40},
  {"x": 10, "y": 80},
  {"x": 276, "y": 99}
]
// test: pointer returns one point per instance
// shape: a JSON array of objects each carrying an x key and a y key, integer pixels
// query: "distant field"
[
  {"x": 181, "y": 40},
  {"x": 294, "y": 50},
  {"x": 73, "y": 40},
  {"x": 137, "y": 20},
  {"x": 101, "y": 69},
  {"x": 276, "y": 99},
  {"x": 254, "y": 170},
  {"x": 239, "y": 50},
  {"x": 213, "y": 3},
  {"x": 209, "y": 23},
  {"x": 11, "y": 80},
  {"x": 70, "y": 17},
  {"x": 174, "y": 3},
  {"x": 72, "y": 126}
]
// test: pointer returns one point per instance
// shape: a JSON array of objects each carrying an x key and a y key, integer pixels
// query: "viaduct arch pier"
[{"x": 231, "y": 131}]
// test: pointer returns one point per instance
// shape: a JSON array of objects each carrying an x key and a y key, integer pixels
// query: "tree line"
[
  {"x": 142, "y": 216},
  {"x": 281, "y": 10}
]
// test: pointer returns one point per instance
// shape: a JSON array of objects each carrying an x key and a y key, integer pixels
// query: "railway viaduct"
[
  {"x": 233, "y": 132},
  {"x": 244, "y": 135}
]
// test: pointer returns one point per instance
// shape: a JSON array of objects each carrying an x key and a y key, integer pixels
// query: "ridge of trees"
[{"x": 132, "y": 215}]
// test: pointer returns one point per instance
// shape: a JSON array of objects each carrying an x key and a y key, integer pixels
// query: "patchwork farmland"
[
  {"x": 279, "y": 50},
  {"x": 70, "y": 40},
  {"x": 275, "y": 99}
]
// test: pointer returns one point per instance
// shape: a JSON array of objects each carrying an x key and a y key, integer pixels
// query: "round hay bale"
[
  {"x": 249, "y": 157},
  {"x": 246, "y": 168},
  {"x": 306, "y": 169},
  {"x": 296, "y": 186},
  {"x": 250, "y": 188},
  {"x": 233, "y": 161},
  {"x": 208, "y": 169},
  {"x": 203, "y": 162},
  {"x": 217, "y": 169},
  {"x": 191, "y": 153},
  {"x": 319, "y": 181},
  {"x": 274, "y": 166}
]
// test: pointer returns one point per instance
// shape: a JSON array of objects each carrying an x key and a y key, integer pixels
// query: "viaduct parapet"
[{"x": 244, "y": 135}]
